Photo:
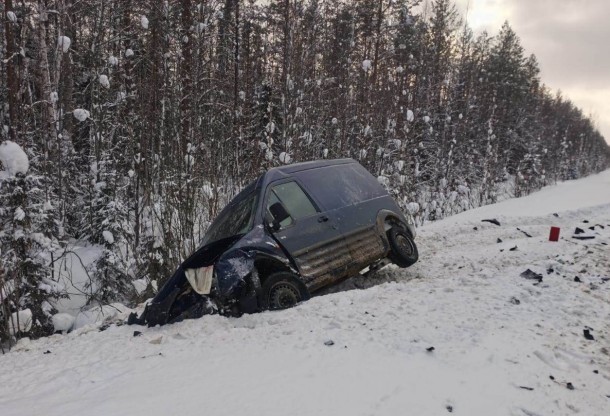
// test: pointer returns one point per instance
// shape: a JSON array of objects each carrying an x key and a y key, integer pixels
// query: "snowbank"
[
  {"x": 99, "y": 314},
  {"x": 63, "y": 321}
]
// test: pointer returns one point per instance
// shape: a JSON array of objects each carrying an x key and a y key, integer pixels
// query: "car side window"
[{"x": 294, "y": 199}]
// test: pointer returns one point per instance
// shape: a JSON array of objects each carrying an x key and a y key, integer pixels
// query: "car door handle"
[{"x": 323, "y": 218}]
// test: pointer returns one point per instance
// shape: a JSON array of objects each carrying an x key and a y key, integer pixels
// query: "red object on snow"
[{"x": 554, "y": 236}]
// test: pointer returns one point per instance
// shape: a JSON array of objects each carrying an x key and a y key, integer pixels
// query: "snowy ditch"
[{"x": 460, "y": 332}]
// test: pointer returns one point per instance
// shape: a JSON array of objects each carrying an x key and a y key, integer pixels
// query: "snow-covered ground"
[{"x": 503, "y": 344}]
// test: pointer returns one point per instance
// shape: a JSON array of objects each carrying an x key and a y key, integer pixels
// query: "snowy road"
[{"x": 503, "y": 345}]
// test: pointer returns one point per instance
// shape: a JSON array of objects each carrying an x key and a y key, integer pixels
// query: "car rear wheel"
[
  {"x": 282, "y": 290},
  {"x": 403, "y": 249}
]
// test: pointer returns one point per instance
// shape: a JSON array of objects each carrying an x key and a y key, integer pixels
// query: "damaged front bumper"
[
  {"x": 193, "y": 293},
  {"x": 174, "y": 309},
  {"x": 219, "y": 278}
]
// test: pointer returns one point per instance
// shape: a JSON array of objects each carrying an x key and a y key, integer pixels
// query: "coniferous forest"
[{"x": 141, "y": 119}]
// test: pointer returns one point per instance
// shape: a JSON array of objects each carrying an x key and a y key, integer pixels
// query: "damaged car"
[{"x": 291, "y": 232}]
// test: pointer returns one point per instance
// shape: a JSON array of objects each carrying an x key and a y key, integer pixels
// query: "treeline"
[{"x": 141, "y": 118}]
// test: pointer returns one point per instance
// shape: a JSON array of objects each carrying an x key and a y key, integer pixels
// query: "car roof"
[{"x": 284, "y": 171}]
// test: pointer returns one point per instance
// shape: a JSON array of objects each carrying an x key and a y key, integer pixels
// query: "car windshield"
[{"x": 236, "y": 219}]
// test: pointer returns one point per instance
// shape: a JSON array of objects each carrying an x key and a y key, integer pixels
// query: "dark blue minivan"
[{"x": 294, "y": 230}]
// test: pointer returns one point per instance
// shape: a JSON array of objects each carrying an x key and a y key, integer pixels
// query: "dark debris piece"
[
  {"x": 577, "y": 279},
  {"x": 586, "y": 221},
  {"x": 137, "y": 333},
  {"x": 531, "y": 275},
  {"x": 556, "y": 215},
  {"x": 525, "y": 233},
  {"x": 596, "y": 371},
  {"x": 430, "y": 349},
  {"x": 549, "y": 270},
  {"x": 515, "y": 301},
  {"x": 476, "y": 228},
  {"x": 526, "y": 388},
  {"x": 47, "y": 352},
  {"x": 449, "y": 409},
  {"x": 499, "y": 240},
  {"x": 329, "y": 343},
  {"x": 583, "y": 237},
  {"x": 570, "y": 386},
  {"x": 492, "y": 221},
  {"x": 587, "y": 333},
  {"x": 514, "y": 248},
  {"x": 578, "y": 231},
  {"x": 552, "y": 378}
]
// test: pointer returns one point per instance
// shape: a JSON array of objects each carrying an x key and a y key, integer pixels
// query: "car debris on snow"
[
  {"x": 528, "y": 235},
  {"x": 156, "y": 341},
  {"x": 493, "y": 221},
  {"x": 583, "y": 237},
  {"x": 587, "y": 334},
  {"x": 580, "y": 234},
  {"x": 531, "y": 275}
]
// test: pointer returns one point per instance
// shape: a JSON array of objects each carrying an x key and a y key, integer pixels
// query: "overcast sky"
[{"x": 570, "y": 38}]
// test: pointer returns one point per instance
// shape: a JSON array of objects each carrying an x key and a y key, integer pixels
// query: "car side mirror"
[
  {"x": 279, "y": 214},
  {"x": 271, "y": 223}
]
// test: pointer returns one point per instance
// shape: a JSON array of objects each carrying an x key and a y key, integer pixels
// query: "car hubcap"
[
  {"x": 283, "y": 296},
  {"x": 404, "y": 244}
]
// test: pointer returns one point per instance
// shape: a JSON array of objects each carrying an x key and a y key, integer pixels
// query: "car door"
[
  {"x": 311, "y": 237},
  {"x": 353, "y": 197}
]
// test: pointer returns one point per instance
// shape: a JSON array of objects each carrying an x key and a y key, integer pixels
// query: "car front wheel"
[
  {"x": 403, "y": 249},
  {"x": 282, "y": 290}
]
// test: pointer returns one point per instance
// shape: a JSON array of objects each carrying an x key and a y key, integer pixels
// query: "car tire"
[
  {"x": 403, "y": 249},
  {"x": 282, "y": 290}
]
